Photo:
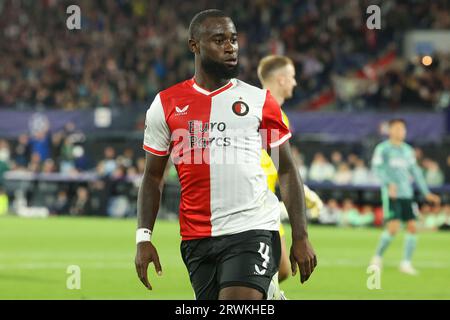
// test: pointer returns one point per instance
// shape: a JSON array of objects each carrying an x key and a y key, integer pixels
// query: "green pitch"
[{"x": 35, "y": 254}]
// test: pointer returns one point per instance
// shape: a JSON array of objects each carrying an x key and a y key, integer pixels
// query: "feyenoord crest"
[{"x": 240, "y": 108}]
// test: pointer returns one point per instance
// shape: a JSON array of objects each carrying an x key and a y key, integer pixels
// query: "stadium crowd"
[
  {"x": 126, "y": 51},
  {"x": 404, "y": 83},
  {"x": 117, "y": 175},
  {"x": 63, "y": 152},
  {"x": 348, "y": 214}
]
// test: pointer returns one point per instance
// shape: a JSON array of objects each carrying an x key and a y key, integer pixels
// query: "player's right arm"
[
  {"x": 379, "y": 167},
  {"x": 156, "y": 143},
  {"x": 420, "y": 179},
  {"x": 148, "y": 205}
]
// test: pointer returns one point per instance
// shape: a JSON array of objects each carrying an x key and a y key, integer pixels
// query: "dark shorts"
[
  {"x": 401, "y": 209},
  {"x": 248, "y": 259}
]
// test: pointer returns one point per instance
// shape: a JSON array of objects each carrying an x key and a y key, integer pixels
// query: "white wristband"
[{"x": 143, "y": 235}]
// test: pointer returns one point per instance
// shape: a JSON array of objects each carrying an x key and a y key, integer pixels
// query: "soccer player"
[
  {"x": 213, "y": 126},
  {"x": 394, "y": 162},
  {"x": 277, "y": 74}
]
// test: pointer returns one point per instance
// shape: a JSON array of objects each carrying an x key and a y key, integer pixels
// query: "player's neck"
[
  {"x": 395, "y": 142},
  {"x": 276, "y": 95},
  {"x": 209, "y": 82},
  {"x": 279, "y": 99}
]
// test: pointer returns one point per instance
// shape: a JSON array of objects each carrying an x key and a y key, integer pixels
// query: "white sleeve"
[{"x": 157, "y": 133}]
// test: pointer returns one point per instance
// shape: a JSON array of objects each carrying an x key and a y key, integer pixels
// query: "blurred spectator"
[
  {"x": 35, "y": 163},
  {"x": 428, "y": 218},
  {"x": 61, "y": 205},
  {"x": 343, "y": 174},
  {"x": 320, "y": 169},
  {"x": 419, "y": 155},
  {"x": 67, "y": 157},
  {"x": 48, "y": 166},
  {"x": 441, "y": 215},
  {"x": 336, "y": 159},
  {"x": 134, "y": 177},
  {"x": 349, "y": 215},
  {"x": 40, "y": 144},
  {"x": 98, "y": 197},
  {"x": 4, "y": 159},
  {"x": 5, "y": 152},
  {"x": 361, "y": 174},
  {"x": 446, "y": 218},
  {"x": 80, "y": 204},
  {"x": 71, "y": 132},
  {"x": 81, "y": 159},
  {"x": 119, "y": 203},
  {"x": 331, "y": 213},
  {"x": 4, "y": 166},
  {"x": 126, "y": 159},
  {"x": 22, "y": 151},
  {"x": 367, "y": 217},
  {"x": 140, "y": 165},
  {"x": 352, "y": 159},
  {"x": 447, "y": 170},
  {"x": 100, "y": 169},
  {"x": 109, "y": 161},
  {"x": 433, "y": 174},
  {"x": 300, "y": 161}
]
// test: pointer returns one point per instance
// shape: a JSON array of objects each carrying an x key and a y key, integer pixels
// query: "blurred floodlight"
[
  {"x": 102, "y": 117},
  {"x": 427, "y": 60}
]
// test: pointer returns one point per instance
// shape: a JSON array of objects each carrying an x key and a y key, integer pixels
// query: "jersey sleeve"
[
  {"x": 157, "y": 133},
  {"x": 379, "y": 165},
  {"x": 417, "y": 172},
  {"x": 273, "y": 130}
]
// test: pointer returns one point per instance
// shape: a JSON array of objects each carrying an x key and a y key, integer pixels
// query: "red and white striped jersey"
[{"x": 215, "y": 139}]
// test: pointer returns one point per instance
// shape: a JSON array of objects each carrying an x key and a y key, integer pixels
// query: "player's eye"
[
  {"x": 218, "y": 41},
  {"x": 234, "y": 40}
]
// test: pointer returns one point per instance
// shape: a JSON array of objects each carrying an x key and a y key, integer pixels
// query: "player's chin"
[{"x": 231, "y": 70}]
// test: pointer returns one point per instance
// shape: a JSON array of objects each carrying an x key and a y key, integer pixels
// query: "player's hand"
[
  {"x": 303, "y": 255},
  {"x": 433, "y": 198},
  {"x": 145, "y": 254},
  {"x": 392, "y": 191}
]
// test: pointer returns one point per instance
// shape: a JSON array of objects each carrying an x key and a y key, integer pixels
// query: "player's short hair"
[
  {"x": 271, "y": 63},
  {"x": 396, "y": 120},
  {"x": 198, "y": 19}
]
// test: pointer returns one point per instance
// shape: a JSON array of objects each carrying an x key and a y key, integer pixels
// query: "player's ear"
[
  {"x": 193, "y": 45},
  {"x": 281, "y": 79}
]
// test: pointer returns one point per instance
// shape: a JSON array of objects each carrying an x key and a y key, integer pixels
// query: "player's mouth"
[{"x": 231, "y": 61}]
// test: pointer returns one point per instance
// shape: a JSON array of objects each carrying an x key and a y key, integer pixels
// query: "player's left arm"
[
  {"x": 293, "y": 195},
  {"x": 275, "y": 135},
  {"x": 420, "y": 180}
]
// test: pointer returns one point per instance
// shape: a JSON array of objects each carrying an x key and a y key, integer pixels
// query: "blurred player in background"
[
  {"x": 229, "y": 219},
  {"x": 394, "y": 162},
  {"x": 277, "y": 74}
]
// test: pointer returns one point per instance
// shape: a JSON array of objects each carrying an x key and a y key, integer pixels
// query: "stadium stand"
[
  {"x": 127, "y": 52},
  {"x": 52, "y": 80}
]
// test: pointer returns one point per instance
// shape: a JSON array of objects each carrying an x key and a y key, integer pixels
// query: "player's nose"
[{"x": 230, "y": 47}]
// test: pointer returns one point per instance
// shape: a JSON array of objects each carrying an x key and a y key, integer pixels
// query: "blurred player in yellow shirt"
[{"x": 277, "y": 74}]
